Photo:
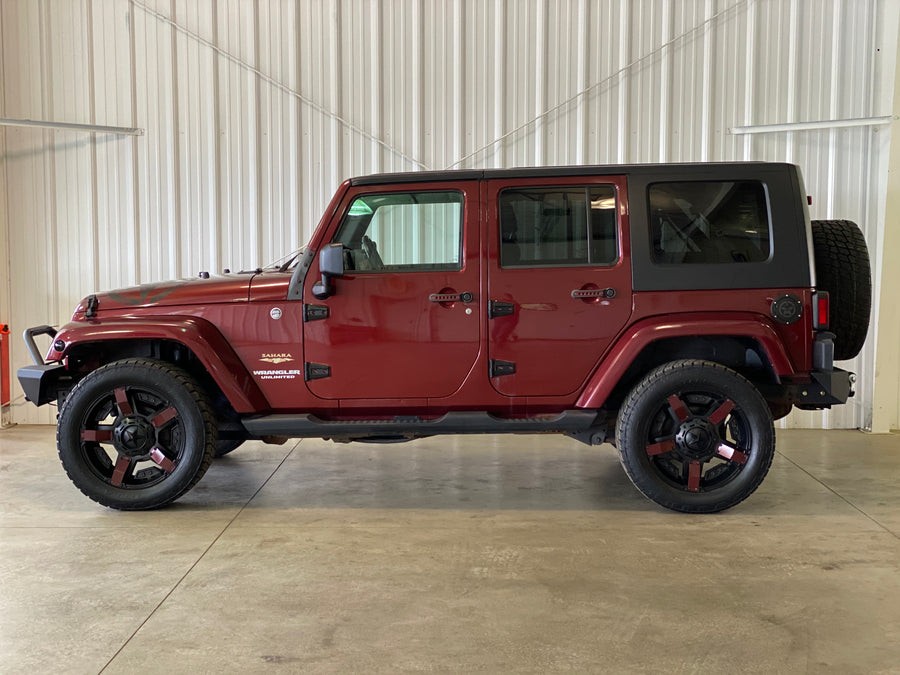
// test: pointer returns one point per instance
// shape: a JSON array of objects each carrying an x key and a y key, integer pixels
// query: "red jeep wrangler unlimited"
[{"x": 673, "y": 310}]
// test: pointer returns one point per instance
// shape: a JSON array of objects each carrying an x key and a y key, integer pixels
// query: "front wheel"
[
  {"x": 695, "y": 437},
  {"x": 136, "y": 434}
]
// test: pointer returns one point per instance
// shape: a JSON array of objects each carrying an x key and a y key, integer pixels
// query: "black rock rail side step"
[{"x": 305, "y": 425}]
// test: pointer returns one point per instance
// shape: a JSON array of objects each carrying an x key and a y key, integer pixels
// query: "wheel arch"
[
  {"x": 192, "y": 343},
  {"x": 748, "y": 344}
]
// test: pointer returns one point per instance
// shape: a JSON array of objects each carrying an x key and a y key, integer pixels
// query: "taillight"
[{"x": 820, "y": 310}]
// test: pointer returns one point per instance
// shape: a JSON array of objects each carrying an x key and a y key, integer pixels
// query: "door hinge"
[
  {"x": 497, "y": 308},
  {"x": 315, "y": 371},
  {"x": 315, "y": 312},
  {"x": 500, "y": 368}
]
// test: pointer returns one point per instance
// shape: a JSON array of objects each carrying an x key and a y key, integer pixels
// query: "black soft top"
[{"x": 695, "y": 169}]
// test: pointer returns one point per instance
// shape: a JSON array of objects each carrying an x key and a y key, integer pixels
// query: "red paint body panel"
[
  {"x": 642, "y": 333},
  {"x": 384, "y": 338},
  {"x": 270, "y": 287},
  {"x": 796, "y": 338},
  {"x": 229, "y": 289},
  {"x": 197, "y": 334},
  {"x": 553, "y": 338}
]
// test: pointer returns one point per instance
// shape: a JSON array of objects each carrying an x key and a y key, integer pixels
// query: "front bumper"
[{"x": 41, "y": 382}]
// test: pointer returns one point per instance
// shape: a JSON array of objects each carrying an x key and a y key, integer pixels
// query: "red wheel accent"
[
  {"x": 661, "y": 448},
  {"x": 165, "y": 416},
  {"x": 679, "y": 408},
  {"x": 122, "y": 401},
  {"x": 123, "y": 464},
  {"x": 96, "y": 435},
  {"x": 161, "y": 460},
  {"x": 693, "y": 483},
  {"x": 727, "y": 452},
  {"x": 722, "y": 412}
]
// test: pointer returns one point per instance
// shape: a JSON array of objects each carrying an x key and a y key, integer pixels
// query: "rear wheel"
[
  {"x": 842, "y": 269},
  {"x": 695, "y": 436},
  {"x": 136, "y": 434}
]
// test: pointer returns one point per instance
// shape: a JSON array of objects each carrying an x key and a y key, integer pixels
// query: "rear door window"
[
  {"x": 709, "y": 222},
  {"x": 558, "y": 226}
]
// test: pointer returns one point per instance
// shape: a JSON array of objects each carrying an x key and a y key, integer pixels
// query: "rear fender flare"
[
  {"x": 644, "y": 333},
  {"x": 201, "y": 337}
]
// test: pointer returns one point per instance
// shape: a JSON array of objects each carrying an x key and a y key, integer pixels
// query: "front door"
[
  {"x": 559, "y": 280},
  {"x": 403, "y": 322}
]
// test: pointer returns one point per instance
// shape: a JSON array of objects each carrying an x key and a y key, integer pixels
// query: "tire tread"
[
  {"x": 625, "y": 430},
  {"x": 196, "y": 392}
]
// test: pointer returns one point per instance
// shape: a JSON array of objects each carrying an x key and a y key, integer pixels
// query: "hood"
[{"x": 232, "y": 288}]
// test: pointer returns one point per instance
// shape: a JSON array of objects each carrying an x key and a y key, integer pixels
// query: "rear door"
[{"x": 559, "y": 280}]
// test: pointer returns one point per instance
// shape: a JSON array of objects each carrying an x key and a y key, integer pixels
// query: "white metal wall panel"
[{"x": 254, "y": 111}]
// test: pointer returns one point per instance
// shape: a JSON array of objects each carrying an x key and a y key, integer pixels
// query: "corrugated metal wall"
[{"x": 254, "y": 111}]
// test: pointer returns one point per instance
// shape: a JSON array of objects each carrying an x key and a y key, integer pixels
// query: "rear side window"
[
  {"x": 709, "y": 222},
  {"x": 558, "y": 226}
]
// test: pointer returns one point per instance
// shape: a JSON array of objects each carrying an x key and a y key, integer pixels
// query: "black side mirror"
[{"x": 331, "y": 265}]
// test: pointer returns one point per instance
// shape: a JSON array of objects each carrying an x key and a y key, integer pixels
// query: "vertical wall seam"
[
  {"x": 666, "y": 70},
  {"x": 258, "y": 150},
  {"x": 707, "y": 129},
  {"x": 418, "y": 78},
  {"x": 459, "y": 65},
  {"x": 581, "y": 77},
  {"x": 176, "y": 225},
  {"x": 216, "y": 251},
  {"x": 92, "y": 107},
  {"x": 624, "y": 81},
  {"x": 541, "y": 79},
  {"x": 337, "y": 97},
  {"x": 136, "y": 184},
  {"x": 500, "y": 82},
  {"x": 377, "y": 46},
  {"x": 46, "y": 47},
  {"x": 750, "y": 75}
]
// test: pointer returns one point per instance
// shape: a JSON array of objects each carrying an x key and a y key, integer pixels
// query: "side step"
[{"x": 305, "y": 425}]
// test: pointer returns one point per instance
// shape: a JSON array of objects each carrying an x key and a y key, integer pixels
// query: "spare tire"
[{"x": 842, "y": 269}]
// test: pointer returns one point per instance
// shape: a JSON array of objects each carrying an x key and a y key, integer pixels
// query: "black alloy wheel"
[
  {"x": 695, "y": 437},
  {"x": 136, "y": 434}
]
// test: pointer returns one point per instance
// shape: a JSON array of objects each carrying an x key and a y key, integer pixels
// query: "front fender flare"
[
  {"x": 647, "y": 331},
  {"x": 201, "y": 337}
]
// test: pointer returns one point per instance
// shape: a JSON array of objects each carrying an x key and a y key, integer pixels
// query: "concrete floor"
[{"x": 490, "y": 554}]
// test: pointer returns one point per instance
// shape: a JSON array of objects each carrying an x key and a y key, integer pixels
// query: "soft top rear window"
[{"x": 701, "y": 222}]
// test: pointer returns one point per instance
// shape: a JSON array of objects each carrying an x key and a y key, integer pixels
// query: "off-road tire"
[
  {"x": 136, "y": 434},
  {"x": 842, "y": 269},
  {"x": 661, "y": 430}
]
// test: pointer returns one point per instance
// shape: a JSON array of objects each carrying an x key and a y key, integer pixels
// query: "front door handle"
[{"x": 451, "y": 297}]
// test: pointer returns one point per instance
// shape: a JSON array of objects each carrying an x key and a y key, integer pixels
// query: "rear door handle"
[
  {"x": 589, "y": 293},
  {"x": 451, "y": 297}
]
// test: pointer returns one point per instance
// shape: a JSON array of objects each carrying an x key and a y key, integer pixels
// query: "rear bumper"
[
  {"x": 827, "y": 385},
  {"x": 825, "y": 389},
  {"x": 820, "y": 389}
]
